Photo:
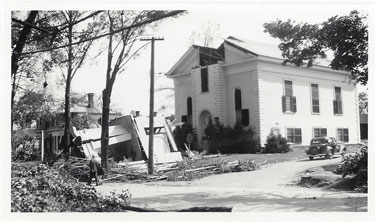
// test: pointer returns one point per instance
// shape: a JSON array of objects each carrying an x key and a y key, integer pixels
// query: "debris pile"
[{"x": 186, "y": 170}]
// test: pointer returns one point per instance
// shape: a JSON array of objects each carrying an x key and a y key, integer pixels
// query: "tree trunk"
[
  {"x": 105, "y": 126},
  {"x": 67, "y": 115},
  {"x": 16, "y": 55},
  {"x": 22, "y": 40}
]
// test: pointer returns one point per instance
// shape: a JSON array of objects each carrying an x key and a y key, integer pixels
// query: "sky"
[{"x": 131, "y": 89}]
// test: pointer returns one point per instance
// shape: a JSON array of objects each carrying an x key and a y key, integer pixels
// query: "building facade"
[{"x": 244, "y": 81}]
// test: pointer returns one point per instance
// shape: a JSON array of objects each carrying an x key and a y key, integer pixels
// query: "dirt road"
[{"x": 268, "y": 189}]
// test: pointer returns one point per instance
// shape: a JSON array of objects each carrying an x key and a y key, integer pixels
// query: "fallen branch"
[
  {"x": 201, "y": 168},
  {"x": 114, "y": 177}
]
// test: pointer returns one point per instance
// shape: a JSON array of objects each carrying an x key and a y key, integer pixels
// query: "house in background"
[
  {"x": 53, "y": 133},
  {"x": 245, "y": 81}
]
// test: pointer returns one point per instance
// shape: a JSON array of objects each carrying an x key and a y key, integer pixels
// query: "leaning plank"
[
  {"x": 169, "y": 135},
  {"x": 140, "y": 130}
]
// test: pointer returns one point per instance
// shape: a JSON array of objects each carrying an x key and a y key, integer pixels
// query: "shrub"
[
  {"x": 180, "y": 134},
  {"x": 224, "y": 139},
  {"x": 45, "y": 189},
  {"x": 24, "y": 148},
  {"x": 276, "y": 144},
  {"x": 357, "y": 165}
]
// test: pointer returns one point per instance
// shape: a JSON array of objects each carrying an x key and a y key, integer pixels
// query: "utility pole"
[{"x": 151, "y": 125}]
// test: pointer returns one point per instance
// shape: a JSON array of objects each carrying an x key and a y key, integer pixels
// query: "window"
[
  {"x": 320, "y": 132},
  {"x": 343, "y": 134},
  {"x": 204, "y": 79},
  {"x": 189, "y": 118},
  {"x": 315, "y": 98},
  {"x": 238, "y": 104},
  {"x": 288, "y": 88},
  {"x": 288, "y": 100},
  {"x": 337, "y": 102},
  {"x": 184, "y": 119},
  {"x": 294, "y": 135}
]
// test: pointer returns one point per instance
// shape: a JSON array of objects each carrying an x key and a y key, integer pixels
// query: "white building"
[{"x": 245, "y": 81}]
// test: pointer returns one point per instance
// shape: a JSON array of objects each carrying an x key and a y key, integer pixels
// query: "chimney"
[{"x": 90, "y": 96}]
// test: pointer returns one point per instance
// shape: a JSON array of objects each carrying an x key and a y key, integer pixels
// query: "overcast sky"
[{"x": 131, "y": 90}]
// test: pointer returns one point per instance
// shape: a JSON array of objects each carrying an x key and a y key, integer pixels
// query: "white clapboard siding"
[
  {"x": 113, "y": 140},
  {"x": 96, "y": 133}
]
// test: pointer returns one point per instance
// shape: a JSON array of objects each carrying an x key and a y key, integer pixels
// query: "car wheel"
[
  {"x": 314, "y": 150},
  {"x": 311, "y": 157}
]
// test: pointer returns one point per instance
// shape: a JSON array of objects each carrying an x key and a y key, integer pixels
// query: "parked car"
[{"x": 325, "y": 147}]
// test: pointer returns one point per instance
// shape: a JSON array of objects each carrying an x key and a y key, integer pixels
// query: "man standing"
[{"x": 94, "y": 165}]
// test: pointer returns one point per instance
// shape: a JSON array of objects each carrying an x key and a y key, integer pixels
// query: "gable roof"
[
  {"x": 248, "y": 46},
  {"x": 264, "y": 49},
  {"x": 183, "y": 57}
]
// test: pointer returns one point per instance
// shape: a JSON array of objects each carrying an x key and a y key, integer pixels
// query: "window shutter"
[
  {"x": 294, "y": 106},
  {"x": 245, "y": 117},
  {"x": 283, "y": 99}
]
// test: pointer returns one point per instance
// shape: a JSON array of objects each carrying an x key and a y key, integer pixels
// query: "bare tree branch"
[{"x": 173, "y": 13}]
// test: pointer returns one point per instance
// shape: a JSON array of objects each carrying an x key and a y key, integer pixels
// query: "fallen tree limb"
[
  {"x": 114, "y": 177},
  {"x": 201, "y": 168}
]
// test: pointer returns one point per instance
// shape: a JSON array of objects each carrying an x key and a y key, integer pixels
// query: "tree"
[
  {"x": 209, "y": 32},
  {"x": 24, "y": 69},
  {"x": 132, "y": 25},
  {"x": 363, "y": 102},
  {"x": 345, "y": 36},
  {"x": 30, "y": 107},
  {"x": 72, "y": 56}
]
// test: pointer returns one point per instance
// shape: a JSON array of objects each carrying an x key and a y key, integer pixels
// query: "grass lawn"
[{"x": 264, "y": 158}]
